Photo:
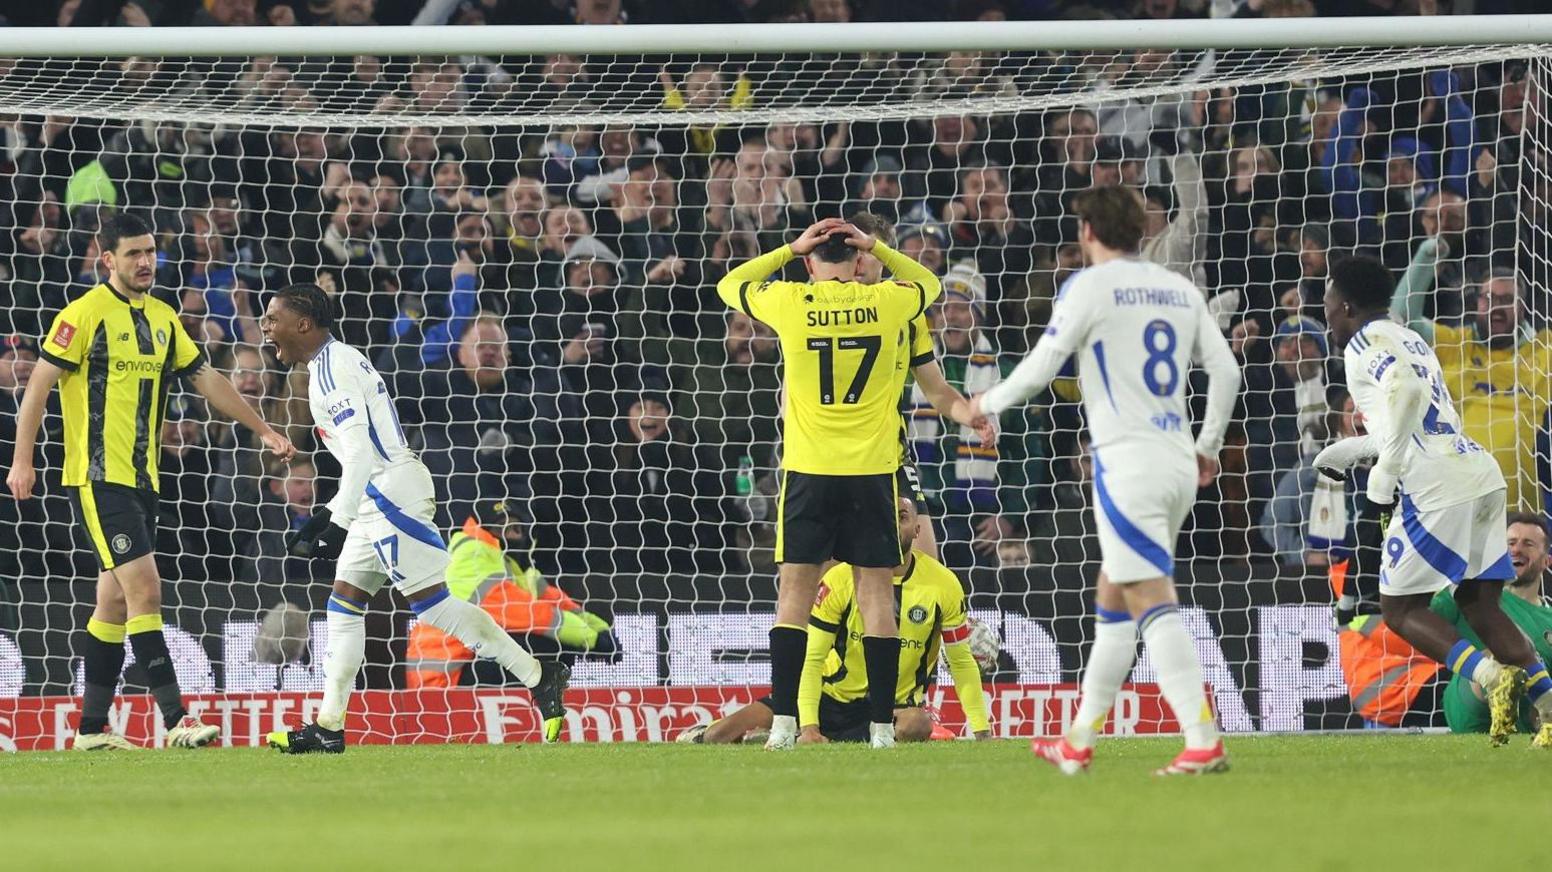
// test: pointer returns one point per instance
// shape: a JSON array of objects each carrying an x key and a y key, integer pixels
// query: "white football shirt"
[
  {"x": 1135, "y": 328},
  {"x": 348, "y": 398},
  {"x": 1437, "y": 463}
]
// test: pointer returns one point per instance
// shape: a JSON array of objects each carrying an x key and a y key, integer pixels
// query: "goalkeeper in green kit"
[{"x": 1465, "y": 704}]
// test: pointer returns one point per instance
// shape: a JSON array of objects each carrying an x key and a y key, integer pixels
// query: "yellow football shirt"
[
  {"x": 845, "y": 350},
  {"x": 932, "y": 615},
  {"x": 1503, "y": 395},
  {"x": 119, "y": 357}
]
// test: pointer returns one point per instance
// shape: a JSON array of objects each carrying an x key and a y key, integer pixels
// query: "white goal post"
[{"x": 523, "y": 228}]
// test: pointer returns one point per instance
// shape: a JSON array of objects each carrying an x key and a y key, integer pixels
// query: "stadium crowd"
[{"x": 541, "y": 297}]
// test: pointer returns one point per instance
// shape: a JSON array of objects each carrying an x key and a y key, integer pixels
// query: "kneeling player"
[
  {"x": 1466, "y": 708},
  {"x": 833, "y": 693}
]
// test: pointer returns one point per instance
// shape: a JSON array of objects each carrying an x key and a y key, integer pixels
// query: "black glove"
[
  {"x": 607, "y": 648},
  {"x": 1369, "y": 551},
  {"x": 319, "y": 539}
]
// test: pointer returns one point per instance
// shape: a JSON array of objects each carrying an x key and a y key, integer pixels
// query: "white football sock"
[
  {"x": 1110, "y": 662},
  {"x": 1180, "y": 675},
  {"x": 341, "y": 663},
  {"x": 881, "y": 735},
  {"x": 784, "y": 730},
  {"x": 480, "y": 633},
  {"x": 1487, "y": 670}
]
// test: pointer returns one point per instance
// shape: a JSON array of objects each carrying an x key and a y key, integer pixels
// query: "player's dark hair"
[
  {"x": 1532, "y": 519},
  {"x": 835, "y": 250},
  {"x": 1364, "y": 282},
  {"x": 309, "y": 301},
  {"x": 875, "y": 226},
  {"x": 1115, "y": 214},
  {"x": 118, "y": 227}
]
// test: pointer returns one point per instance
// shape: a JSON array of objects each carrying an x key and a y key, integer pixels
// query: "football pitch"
[{"x": 1403, "y": 802}]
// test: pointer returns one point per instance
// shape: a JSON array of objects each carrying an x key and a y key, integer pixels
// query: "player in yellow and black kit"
[
  {"x": 833, "y": 695},
  {"x": 114, "y": 352},
  {"x": 844, "y": 353}
]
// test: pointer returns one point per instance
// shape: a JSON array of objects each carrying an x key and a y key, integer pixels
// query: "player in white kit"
[
  {"x": 1135, "y": 329},
  {"x": 378, "y": 525},
  {"x": 1450, "y": 491}
]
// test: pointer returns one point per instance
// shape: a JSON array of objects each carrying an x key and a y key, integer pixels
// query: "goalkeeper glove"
[
  {"x": 1373, "y": 521},
  {"x": 318, "y": 539},
  {"x": 607, "y": 648},
  {"x": 574, "y": 632},
  {"x": 595, "y": 621}
]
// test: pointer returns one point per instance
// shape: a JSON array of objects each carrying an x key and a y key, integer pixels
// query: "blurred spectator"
[
  {"x": 185, "y": 537},
  {"x": 654, "y": 503},
  {"x": 288, "y": 499},
  {"x": 343, "y": 255},
  {"x": 983, "y": 228},
  {"x": 979, "y": 494},
  {"x": 237, "y": 457},
  {"x": 1308, "y": 521},
  {"x": 479, "y": 417},
  {"x": 1177, "y": 221},
  {"x": 731, "y": 393},
  {"x": 1497, "y": 367}
]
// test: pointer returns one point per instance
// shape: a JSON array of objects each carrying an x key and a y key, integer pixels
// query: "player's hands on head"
[
  {"x": 856, "y": 238},
  {"x": 20, "y": 480},
  {"x": 318, "y": 539},
  {"x": 810, "y": 735},
  {"x": 816, "y": 233}
]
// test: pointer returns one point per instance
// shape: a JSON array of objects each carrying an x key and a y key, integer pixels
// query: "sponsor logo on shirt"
[
  {"x": 64, "y": 334},
  {"x": 343, "y": 415}
]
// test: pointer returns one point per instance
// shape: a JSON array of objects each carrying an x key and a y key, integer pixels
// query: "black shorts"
[
  {"x": 908, "y": 482},
  {"x": 850, "y": 518},
  {"x": 119, "y": 521},
  {"x": 841, "y": 721}
]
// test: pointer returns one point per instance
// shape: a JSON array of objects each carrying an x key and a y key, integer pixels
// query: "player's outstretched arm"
[
  {"x": 29, "y": 417},
  {"x": 224, "y": 398},
  {"x": 1212, "y": 353},
  {"x": 1335, "y": 459},
  {"x": 967, "y": 678},
  {"x": 1033, "y": 375},
  {"x": 820, "y": 640},
  {"x": 952, "y": 404}
]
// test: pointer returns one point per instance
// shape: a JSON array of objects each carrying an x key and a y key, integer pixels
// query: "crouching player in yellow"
[{"x": 833, "y": 693}]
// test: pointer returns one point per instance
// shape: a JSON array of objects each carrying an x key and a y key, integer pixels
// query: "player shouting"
[
  {"x": 1451, "y": 493},
  {"x": 378, "y": 525}
]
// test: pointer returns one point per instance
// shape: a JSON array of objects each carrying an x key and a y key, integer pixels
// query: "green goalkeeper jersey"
[{"x": 1465, "y": 710}]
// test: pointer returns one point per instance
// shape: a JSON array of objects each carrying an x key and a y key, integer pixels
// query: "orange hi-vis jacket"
[
  {"x": 1384, "y": 673},
  {"x": 479, "y": 571}
]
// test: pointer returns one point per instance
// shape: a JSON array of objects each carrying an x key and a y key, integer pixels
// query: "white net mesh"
[{"x": 526, "y": 247}]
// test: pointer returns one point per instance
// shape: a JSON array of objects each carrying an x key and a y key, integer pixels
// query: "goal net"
[{"x": 527, "y": 246}]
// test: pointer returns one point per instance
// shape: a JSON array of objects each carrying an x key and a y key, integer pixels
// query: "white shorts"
[
  {"x": 1427, "y": 549},
  {"x": 394, "y": 537},
  {"x": 1140, "y": 513}
]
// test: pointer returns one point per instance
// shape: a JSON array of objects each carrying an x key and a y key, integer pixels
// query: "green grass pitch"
[{"x": 1402, "y": 802}]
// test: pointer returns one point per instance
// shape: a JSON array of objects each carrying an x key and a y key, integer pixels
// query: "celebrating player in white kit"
[
  {"x": 378, "y": 525},
  {"x": 1451, "y": 494},
  {"x": 1135, "y": 328}
]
